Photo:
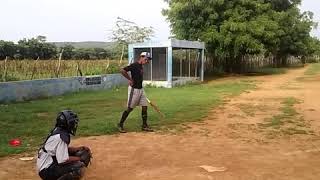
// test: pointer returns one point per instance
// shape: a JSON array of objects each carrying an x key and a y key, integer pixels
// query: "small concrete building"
[{"x": 174, "y": 62}]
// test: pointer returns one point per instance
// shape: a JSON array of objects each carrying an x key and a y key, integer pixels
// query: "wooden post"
[
  {"x": 122, "y": 53},
  {"x": 34, "y": 67},
  {"x": 108, "y": 64},
  {"x": 59, "y": 64},
  {"x": 78, "y": 69},
  {"x": 4, "y": 78}
]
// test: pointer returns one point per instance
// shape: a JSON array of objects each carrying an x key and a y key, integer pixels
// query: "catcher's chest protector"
[{"x": 64, "y": 136}]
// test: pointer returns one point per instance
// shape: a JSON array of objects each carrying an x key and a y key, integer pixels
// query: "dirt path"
[{"x": 271, "y": 133}]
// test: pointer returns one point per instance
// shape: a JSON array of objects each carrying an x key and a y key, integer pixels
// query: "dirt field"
[{"x": 270, "y": 133}]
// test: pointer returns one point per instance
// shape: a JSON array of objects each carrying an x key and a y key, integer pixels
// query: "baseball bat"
[{"x": 155, "y": 107}]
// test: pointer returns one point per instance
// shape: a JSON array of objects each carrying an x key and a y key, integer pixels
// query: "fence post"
[
  {"x": 78, "y": 69},
  {"x": 34, "y": 67},
  {"x": 4, "y": 78},
  {"x": 59, "y": 63},
  {"x": 108, "y": 64}
]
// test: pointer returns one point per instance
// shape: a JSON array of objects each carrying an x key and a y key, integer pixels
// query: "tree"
[
  {"x": 36, "y": 47},
  {"x": 83, "y": 53},
  {"x": 296, "y": 29},
  {"x": 283, "y": 5},
  {"x": 126, "y": 32},
  {"x": 7, "y": 48},
  {"x": 68, "y": 52},
  {"x": 232, "y": 29}
]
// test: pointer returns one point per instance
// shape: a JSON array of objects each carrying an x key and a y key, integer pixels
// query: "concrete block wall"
[{"x": 34, "y": 89}]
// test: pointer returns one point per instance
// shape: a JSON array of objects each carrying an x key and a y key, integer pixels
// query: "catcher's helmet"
[{"x": 67, "y": 120}]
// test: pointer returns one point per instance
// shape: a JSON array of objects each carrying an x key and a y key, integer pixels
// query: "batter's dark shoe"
[
  {"x": 147, "y": 129},
  {"x": 121, "y": 129}
]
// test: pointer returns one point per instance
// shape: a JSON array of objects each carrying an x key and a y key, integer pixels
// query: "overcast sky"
[{"x": 88, "y": 20}]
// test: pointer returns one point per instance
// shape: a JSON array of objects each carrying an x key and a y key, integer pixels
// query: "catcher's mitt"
[{"x": 85, "y": 155}]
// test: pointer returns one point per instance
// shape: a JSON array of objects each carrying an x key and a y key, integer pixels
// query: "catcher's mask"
[{"x": 68, "y": 120}]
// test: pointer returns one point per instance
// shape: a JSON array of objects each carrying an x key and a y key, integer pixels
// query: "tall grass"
[{"x": 39, "y": 69}]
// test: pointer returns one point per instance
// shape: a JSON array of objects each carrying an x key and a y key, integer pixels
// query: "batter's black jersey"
[{"x": 136, "y": 70}]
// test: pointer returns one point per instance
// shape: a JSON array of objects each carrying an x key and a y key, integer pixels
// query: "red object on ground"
[{"x": 15, "y": 142}]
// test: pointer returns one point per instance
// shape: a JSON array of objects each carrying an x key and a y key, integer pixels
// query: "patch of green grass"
[
  {"x": 313, "y": 69},
  {"x": 288, "y": 109},
  {"x": 99, "y": 111},
  {"x": 287, "y": 122},
  {"x": 287, "y": 114},
  {"x": 250, "y": 110},
  {"x": 274, "y": 122}
]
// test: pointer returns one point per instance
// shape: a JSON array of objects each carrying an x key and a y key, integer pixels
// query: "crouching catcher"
[{"x": 56, "y": 160}]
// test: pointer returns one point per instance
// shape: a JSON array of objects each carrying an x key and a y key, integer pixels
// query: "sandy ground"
[{"x": 230, "y": 137}]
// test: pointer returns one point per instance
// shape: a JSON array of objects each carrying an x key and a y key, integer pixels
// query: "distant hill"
[{"x": 87, "y": 44}]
